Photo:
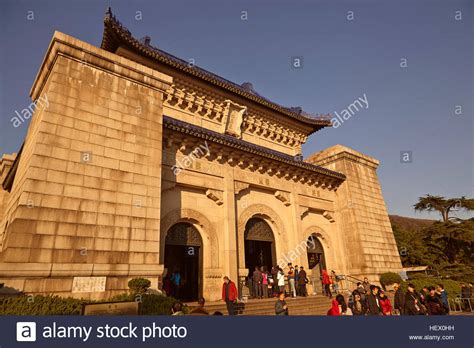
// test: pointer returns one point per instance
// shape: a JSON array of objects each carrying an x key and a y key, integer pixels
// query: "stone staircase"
[{"x": 311, "y": 305}]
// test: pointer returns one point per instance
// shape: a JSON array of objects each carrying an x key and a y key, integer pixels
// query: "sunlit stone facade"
[{"x": 139, "y": 157}]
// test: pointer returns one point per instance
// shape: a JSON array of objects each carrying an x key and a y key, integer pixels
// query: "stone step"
[{"x": 311, "y": 305}]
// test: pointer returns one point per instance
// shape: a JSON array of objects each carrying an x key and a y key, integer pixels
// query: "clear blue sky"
[{"x": 411, "y": 108}]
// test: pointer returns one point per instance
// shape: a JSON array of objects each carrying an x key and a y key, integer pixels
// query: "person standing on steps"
[
  {"x": 385, "y": 304},
  {"x": 281, "y": 280},
  {"x": 302, "y": 280},
  {"x": 281, "y": 308},
  {"x": 229, "y": 295},
  {"x": 326, "y": 283},
  {"x": 264, "y": 282},
  {"x": 257, "y": 282},
  {"x": 399, "y": 300},
  {"x": 291, "y": 282},
  {"x": 373, "y": 302},
  {"x": 297, "y": 281}
]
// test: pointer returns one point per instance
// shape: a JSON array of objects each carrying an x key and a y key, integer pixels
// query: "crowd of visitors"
[
  {"x": 366, "y": 299},
  {"x": 266, "y": 284}
]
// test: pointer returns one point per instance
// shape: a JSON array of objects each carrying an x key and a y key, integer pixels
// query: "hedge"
[
  {"x": 41, "y": 305},
  {"x": 389, "y": 278},
  {"x": 55, "y": 305},
  {"x": 452, "y": 287}
]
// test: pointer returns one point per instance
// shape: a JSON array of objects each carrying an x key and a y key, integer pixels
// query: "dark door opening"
[
  {"x": 185, "y": 260},
  {"x": 258, "y": 254}
]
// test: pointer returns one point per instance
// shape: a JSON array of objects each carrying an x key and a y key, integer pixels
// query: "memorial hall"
[{"x": 141, "y": 164}]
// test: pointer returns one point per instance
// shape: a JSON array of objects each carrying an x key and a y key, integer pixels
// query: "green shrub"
[
  {"x": 150, "y": 304},
  {"x": 389, "y": 278},
  {"x": 452, "y": 287},
  {"x": 41, "y": 305},
  {"x": 138, "y": 285}
]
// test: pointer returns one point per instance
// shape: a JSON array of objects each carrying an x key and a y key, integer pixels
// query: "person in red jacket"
[
  {"x": 326, "y": 283},
  {"x": 229, "y": 294},
  {"x": 385, "y": 304}
]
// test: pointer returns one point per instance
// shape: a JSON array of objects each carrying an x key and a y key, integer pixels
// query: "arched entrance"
[
  {"x": 259, "y": 245},
  {"x": 183, "y": 255},
  {"x": 316, "y": 261}
]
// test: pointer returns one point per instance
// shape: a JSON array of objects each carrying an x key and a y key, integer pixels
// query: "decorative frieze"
[{"x": 224, "y": 149}]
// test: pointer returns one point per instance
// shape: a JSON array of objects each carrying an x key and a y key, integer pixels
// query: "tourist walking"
[
  {"x": 334, "y": 282},
  {"x": 291, "y": 282},
  {"x": 358, "y": 306},
  {"x": 257, "y": 282},
  {"x": 229, "y": 295},
  {"x": 399, "y": 300},
  {"x": 302, "y": 280},
  {"x": 326, "y": 283},
  {"x": 362, "y": 292},
  {"x": 433, "y": 302},
  {"x": 443, "y": 295},
  {"x": 373, "y": 302},
  {"x": 413, "y": 304},
  {"x": 281, "y": 308},
  {"x": 339, "y": 306},
  {"x": 366, "y": 284},
  {"x": 385, "y": 304}
]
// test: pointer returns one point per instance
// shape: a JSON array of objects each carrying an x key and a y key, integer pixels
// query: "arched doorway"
[
  {"x": 259, "y": 245},
  {"x": 316, "y": 261},
  {"x": 183, "y": 255}
]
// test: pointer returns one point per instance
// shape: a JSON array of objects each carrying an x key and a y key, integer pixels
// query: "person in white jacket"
[{"x": 281, "y": 280}]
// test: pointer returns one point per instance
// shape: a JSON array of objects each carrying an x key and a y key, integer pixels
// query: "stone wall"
[
  {"x": 86, "y": 196},
  {"x": 369, "y": 246}
]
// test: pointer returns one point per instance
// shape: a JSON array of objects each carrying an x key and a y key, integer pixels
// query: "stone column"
[{"x": 230, "y": 226}]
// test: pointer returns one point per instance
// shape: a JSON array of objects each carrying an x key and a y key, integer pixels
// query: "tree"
[{"x": 443, "y": 206}]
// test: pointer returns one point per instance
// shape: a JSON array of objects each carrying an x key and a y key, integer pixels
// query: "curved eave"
[
  {"x": 116, "y": 35},
  {"x": 227, "y": 140}
]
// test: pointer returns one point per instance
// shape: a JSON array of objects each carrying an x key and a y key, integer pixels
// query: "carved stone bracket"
[
  {"x": 284, "y": 197},
  {"x": 240, "y": 186},
  {"x": 215, "y": 195},
  {"x": 233, "y": 117},
  {"x": 328, "y": 216},
  {"x": 304, "y": 211}
]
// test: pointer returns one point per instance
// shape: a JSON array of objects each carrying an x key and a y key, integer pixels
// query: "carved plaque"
[
  {"x": 258, "y": 229},
  {"x": 234, "y": 115},
  {"x": 183, "y": 234},
  {"x": 88, "y": 284}
]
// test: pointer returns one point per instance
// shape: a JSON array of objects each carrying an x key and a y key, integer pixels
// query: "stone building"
[{"x": 141, "y": 164}]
